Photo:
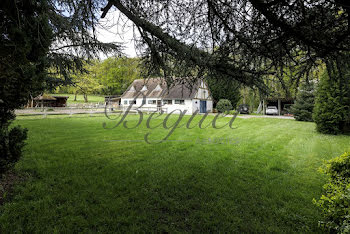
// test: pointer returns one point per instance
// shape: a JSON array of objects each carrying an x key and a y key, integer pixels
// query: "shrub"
[
  {"x": 223, "y": 105},
  {"x": 11, "y": 144},
  {"x": 335, "y": 202},
  {"x": 304, "y": 103},
  {"x": 332, "y": 105}
]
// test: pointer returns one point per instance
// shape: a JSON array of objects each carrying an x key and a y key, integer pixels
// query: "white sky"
[{"x": 117, "y": 29}]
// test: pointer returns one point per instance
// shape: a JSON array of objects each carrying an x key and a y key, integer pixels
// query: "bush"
[
  {"x": 332, "y": 105},
  {"x": 11, "y": 144},
  {"x": 223, "y": 105},
  {"x": 335, "y": 202},
  {"x": 304, "y": 103}
]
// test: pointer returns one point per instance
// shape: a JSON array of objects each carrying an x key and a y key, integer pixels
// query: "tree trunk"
[
  {"x": 85, "y": 97},
  {"x": 75, "y": 96}
]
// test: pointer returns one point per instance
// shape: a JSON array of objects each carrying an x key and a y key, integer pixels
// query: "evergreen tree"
[
  {"x": 304, "y": 104},
  {"x": 24, "y": 42},
  {"x": 332, "y": 105},
  {"x": 36, "y": 35},
  {"x": 221, "y": 88}
]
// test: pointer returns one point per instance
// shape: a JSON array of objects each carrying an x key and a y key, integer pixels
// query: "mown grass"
[
  {"x": 83, "y": 181},
  {"x": 80, "y": 98}
]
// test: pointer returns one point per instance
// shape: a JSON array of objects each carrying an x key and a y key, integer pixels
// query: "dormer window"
[
  {"x": 144, "y": 88},
  {"x": 132, "y": 89},
  {"x": 158, "y": 88}
]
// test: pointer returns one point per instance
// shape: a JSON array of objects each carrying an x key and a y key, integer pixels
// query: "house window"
[
  {"x": 180, "y": 102},
  {"x": 167, "y": 102},
  {"x": 125, "y": 102},
  {"x": 152, "y": 102},
  {"x": 132, "y": 102}
]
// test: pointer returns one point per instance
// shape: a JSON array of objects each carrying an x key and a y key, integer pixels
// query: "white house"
[{"x": 154, "y": 94}]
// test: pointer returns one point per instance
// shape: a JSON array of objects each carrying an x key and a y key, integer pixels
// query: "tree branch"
[
  {"x": 191, "y": 54},
  {"x": 106, "y": 9}
]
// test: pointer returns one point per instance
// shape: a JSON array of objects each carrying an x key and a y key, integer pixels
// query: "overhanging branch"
[{"x": 189, "y": 53}]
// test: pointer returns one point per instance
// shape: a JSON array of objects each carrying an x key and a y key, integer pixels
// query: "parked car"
[
  {"x": 243, "y": 109},
  {"x": 272, "y": 110}
]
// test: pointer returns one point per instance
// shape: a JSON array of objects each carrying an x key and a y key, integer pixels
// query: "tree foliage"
[
  {"x": 86, "y": 83},
  {"x": 224, "y": 89},
  {"x": 111, "y": 76},
  {"x": 11, "y": 144},
  {"x": 304, "y": 103},
  {"x": 116, "y": 74},
  {"x": 335, "y": 200},
  {"x": 24, "y": 42},
  {"x": 332, "y": 104}
]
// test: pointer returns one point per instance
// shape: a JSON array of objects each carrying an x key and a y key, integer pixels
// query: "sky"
[{"x": 117, "y": 28}]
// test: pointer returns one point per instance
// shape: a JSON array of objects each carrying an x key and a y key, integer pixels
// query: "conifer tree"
[
  {"x": 332, "y": 105},
  {"x": 304, "y": 104}
]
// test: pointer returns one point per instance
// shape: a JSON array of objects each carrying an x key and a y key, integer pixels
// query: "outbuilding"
[{"x": 49, "y": 101}]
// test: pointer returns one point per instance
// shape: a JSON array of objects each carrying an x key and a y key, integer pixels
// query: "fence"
[{"x": 84, "y": 109}]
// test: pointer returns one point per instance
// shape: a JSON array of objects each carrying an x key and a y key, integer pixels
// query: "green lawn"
[
  {"x": 81, "y": 181},
  {"x": 80, "y": 98}
]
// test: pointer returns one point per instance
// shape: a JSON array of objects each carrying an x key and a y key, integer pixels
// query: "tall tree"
[
  {"x": 24, "y": 42},
  {"x": 224, "y": 89},
  {"x": 304, "y": 103},
  {"x": 86, "y": 83},
  {"x": 332, "y": 104},
  {"x": 116, "y": 74},
  {"x": 36, "y": 35}
]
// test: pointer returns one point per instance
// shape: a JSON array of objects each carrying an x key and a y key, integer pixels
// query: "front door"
[
  {"x": 159, "y": 105},
  {"x": 203, "y": 107}
]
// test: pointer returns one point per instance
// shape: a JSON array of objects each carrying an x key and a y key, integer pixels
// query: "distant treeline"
[{"x": 108, "y": 77}]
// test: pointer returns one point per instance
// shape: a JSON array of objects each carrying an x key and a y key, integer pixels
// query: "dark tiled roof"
[
  {"x": 181, "y": 91},
  {"x": 177, "y": 90},
  {"x": 58, "y": 97},
  {"x": 44, "y": 97}
]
